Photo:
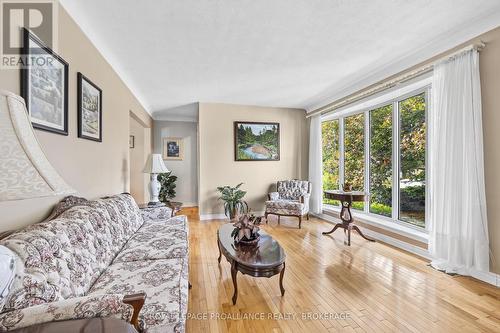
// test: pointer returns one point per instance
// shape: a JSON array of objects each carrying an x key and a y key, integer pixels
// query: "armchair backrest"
[{"x": 293, "y": 189}]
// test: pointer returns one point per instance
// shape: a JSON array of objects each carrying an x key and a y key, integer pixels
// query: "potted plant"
[
  {"x": 246, "y": 229},
  {"x": 233, "y": 200},
  {"x": 167, "y": 190}
]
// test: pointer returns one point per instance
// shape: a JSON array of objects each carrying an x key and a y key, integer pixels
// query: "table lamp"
[{"x": 154, "y": 166}]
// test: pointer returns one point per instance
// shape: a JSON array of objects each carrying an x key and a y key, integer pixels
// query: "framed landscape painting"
[
  {"x": 44, "y": 86},
  {"x": 256, "y": 141},
  {"x": 173, "y": 149},
  {"x": 89, "y": 109}
]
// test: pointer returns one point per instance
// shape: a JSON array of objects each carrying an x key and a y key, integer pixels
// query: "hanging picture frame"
[
  {"x": 89, "y": 109},
  {"x": 44, "y": 86},
  {"x": 256, "y": 141},
  {"x": 173, "y": 149}
]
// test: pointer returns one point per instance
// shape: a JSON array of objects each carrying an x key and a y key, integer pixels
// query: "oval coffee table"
[{"x": 265, "y": 259}]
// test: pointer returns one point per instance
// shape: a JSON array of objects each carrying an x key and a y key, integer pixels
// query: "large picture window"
[
  {"x": 412, "y": 160},
  {"x": 354, "y": 154},
  {"x": 330, "y": 133},
  {"x": 381, "y": 161},
  {"x": 381, "y": 151}
]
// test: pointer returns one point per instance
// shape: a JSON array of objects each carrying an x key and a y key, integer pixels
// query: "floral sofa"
[
  {"x": 89, "y": 254},
  {"x": 291, "y": 199}
]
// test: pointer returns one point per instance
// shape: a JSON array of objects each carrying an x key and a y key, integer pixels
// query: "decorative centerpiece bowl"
[{"x": 246, "y": 229}]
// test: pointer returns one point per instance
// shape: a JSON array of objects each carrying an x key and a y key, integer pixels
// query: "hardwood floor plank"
[{"x": 378, "y": 287}]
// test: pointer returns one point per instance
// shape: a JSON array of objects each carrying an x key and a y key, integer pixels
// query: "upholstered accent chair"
[{"x": 291, "y": 199}]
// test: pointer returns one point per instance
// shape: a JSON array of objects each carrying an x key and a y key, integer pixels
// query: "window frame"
[{"x": 396, "y": 153}]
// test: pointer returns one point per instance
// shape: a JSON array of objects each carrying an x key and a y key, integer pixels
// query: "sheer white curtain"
[
  {"x": 457, "y": 200},
  {"x": 315, "y": 165}
]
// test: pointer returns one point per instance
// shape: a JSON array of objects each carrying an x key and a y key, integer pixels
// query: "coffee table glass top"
[{"x": 267, "y": 253}]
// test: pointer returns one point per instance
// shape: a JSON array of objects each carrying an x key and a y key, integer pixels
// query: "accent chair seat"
[{"x": 290, "y": 199}]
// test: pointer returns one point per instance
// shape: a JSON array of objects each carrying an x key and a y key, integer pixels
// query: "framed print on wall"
[
  {"x": 256, "y": 141},
  {"x": 89, "y": 109},
  {"x": 44, "y": 86},
  {"x": 173, "y": 149}
]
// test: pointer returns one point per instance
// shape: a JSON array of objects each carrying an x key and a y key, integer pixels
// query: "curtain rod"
[{"x": 341, "y": 102}]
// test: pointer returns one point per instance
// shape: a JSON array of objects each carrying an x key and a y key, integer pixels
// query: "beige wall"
[
  {"x": 186, "y": 170},
  {"x": 489, "y": 62},
  {"x": 216, "y": 148},
  {"x": 93, "y": 169},
  {"x": 138, "y": 155}
]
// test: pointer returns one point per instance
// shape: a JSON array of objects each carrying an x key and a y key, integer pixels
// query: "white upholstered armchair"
[{"x": 291, "y": 199}]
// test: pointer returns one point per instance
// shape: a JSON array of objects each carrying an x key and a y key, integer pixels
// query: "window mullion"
[
  {"x": 367, "y": 161},
  {"x": 342, "y": 157},
  {"x": 395, "y": 159}
]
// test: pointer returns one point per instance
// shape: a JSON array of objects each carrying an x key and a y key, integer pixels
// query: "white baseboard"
[
  {"x": 189, "y": 204},
  {"x": 488, "y": 277}
]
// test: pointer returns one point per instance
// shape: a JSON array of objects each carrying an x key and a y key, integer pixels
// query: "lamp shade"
[
  {"x": 25, "y": 171},
  {"x": 155, "y": 164}
]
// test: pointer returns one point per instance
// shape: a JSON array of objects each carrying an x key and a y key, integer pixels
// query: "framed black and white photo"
[
  {"x": 89, "y": 109},
  {"x": 44, "y": 86},
  {"x": 173, "y": 149}
]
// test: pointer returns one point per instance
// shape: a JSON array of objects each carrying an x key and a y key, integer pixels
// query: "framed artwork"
[
  {"x": 173, "y": 149},
  {"x": 256, "y": 141},
  {"x": 131, "y": 141},
  {"x": 44, "y": 86},
  {"x": 89, "y": 109}
]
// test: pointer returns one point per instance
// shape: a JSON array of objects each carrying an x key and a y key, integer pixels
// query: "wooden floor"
[{"x": 330, "y": 287}]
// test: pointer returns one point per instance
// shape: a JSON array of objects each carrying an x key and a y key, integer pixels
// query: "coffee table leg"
[
  {"x": 234, "y": 271},
  {"x": 281, "y": 280}
]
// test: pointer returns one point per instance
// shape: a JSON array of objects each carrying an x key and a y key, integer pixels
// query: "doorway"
[{"x": 140, "y": 148}]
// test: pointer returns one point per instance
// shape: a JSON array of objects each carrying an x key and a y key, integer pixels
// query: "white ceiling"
[{"x": 284, "y": 53}]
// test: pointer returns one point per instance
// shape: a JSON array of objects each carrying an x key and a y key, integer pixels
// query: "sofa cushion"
[
  {"x": 157, "y": 240},
  {"x": 62, "y": 258},
  {"x": 179, "y": 222},
  {"x": 125, "y": 214},
  {"x": 165, "y": 282},
  {"x": 156, "y": 213},
  {"x": 110, "y": 306},
  {"x": 7, "y": 273},
  {"x": 65, "y": 204}
]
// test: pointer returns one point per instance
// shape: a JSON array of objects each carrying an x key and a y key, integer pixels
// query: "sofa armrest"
[
  {"x": 91, "y": 306},
  {"x": 160, "y": 213},
  {"x": 273, "y": 196},
  {"x": 304, "y": 198},
  {"x": 136, "y": 301}
]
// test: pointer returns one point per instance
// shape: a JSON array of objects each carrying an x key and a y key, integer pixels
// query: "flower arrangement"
[{"x": 246, "y": 229}]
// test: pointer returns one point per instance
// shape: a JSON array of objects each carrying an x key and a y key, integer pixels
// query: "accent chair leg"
[
  {"x": 300, "y": 221},
  {"x": 265, "y": 216},
  {"x": 307, "y": 216},
  {"x": 279, "y": 219}
]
